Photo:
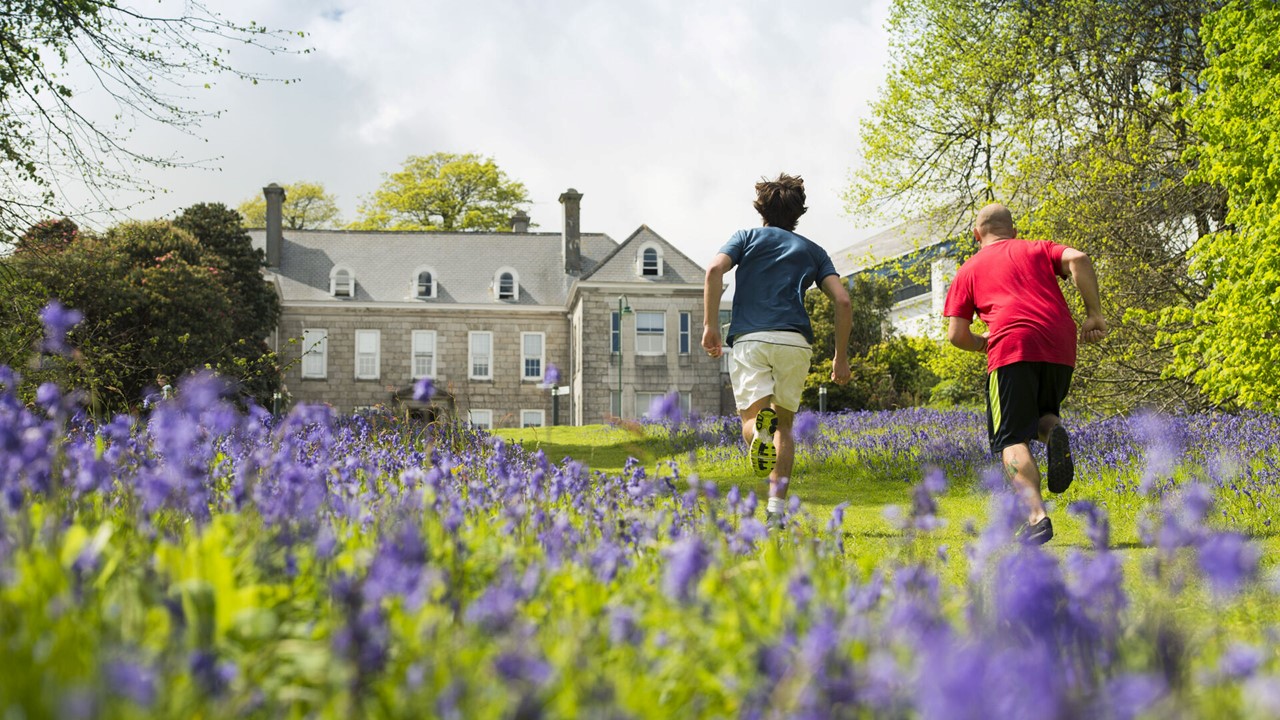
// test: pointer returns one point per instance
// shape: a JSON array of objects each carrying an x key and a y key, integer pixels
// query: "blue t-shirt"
[{"x": 775, "y": 268}]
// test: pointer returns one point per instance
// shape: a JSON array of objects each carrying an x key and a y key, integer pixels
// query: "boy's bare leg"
[
  {"x": 749, "y": 417},
  {"x": 1021, "y": 470},
  {"x": 785, "y": 444}
]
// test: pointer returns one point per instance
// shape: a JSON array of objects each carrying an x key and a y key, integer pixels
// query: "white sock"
[{"x": 776, "y": 505}]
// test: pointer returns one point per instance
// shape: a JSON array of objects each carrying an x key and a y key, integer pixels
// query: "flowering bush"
[{"x": 207, "y": 561}]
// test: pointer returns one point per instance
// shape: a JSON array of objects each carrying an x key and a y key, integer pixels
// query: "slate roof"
[
  {"x": 898, "y": 240},
  {"x": 620, "y": 265},
  {"x": 465, "y": 264}
]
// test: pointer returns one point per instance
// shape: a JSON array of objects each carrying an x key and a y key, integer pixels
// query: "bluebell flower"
[
  {"x": 57, "y": 321},
  {"x": 1239, "y": 662},
  {"x": 519, "y": 667},
  {"x": 805, "y": 426},
  {"x": 667, "y": 408},
  {"x": 686, "y": 560},
  {"x": 1228, "y": 560},
  {"x": 552, "y": 375},
  {"x": 132, "y": 680},
  {"x": 423, "y": 390},
  {"x": 1130, "y": 696}
]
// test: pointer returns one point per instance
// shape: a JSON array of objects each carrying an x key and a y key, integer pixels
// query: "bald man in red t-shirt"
[{"x": 1012, "y": 285}]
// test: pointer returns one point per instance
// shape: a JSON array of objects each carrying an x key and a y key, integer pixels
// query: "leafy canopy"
[
  {"x": 307, "y": 206},
  {"x": 148, "y": 62},
  {"x": 443, "y": 192}
]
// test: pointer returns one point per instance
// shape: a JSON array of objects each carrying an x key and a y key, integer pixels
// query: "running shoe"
[
  {"x": 762, "y": 454},
  {"x": 1061, "y": 469},
  {"x": 1038, "y": 534}
]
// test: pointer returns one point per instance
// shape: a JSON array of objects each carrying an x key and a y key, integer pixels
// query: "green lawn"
[{"x": 870, "y": 537}]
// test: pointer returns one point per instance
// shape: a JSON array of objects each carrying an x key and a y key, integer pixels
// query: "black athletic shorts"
[{"x": 1018, "y": 395}]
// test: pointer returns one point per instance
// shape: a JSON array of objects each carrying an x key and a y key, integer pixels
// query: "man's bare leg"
[
  {"x": 1048, "y": 422},
  {"x": 1020, "y": 468}
]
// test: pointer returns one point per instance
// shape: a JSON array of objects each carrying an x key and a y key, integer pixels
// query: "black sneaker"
[
  {"x": 1038, "y": 534},
  {"x": 1061, "y": 469},
  {"x": 762, "y": 454}
]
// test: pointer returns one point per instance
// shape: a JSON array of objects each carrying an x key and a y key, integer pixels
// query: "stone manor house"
[{"x": 484, "y": 315}]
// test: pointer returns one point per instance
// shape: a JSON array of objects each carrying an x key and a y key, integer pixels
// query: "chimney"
[
  {"x": 520, "y": 222},
  {"x": 571, "y": 247},
  {"x": 275, "y": 223}
]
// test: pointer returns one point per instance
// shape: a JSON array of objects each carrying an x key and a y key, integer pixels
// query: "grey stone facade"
[{"x": 568, "y": 288}]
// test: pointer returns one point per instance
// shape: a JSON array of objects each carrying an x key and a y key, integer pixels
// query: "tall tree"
[
  {"x": 1070, "y": 112},
  {"x": 443, "y": 192},
  {"x": 153, "y": 303},
  {"x": 307, "y": 206},
  {"x": 1231, "y": 342},
  {"x": 146, "y": 62},
  {"x": 255, "y": 304}
]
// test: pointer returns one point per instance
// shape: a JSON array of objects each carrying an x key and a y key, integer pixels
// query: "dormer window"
[
  {"x": 649, "y": 261},
  {"x": 506, "y": 284},
  {"x": 342, "y": 283},
  {"x": 424, "y": 283}
]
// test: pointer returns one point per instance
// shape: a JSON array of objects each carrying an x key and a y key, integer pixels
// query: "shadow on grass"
[{"x": 603, "y": 449}]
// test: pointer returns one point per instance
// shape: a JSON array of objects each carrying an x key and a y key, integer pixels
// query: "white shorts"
[{"x": 769, "y": 363}]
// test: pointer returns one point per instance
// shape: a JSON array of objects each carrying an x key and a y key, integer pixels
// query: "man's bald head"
[{"x": 994, "y": 221}]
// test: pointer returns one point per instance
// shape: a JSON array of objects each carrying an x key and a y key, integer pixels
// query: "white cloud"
[{"x": 660, "y": 111}]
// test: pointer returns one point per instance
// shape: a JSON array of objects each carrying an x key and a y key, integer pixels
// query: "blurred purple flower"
[
  {"x": 423, "y": 390},
  {"x": 1228, "y": 560},
  {"x": 57, "y": 321},
  {"x": 1097, "y": 526},
  {"x": 1262, "y": 695},
  {"x": 133, "y": 681},
  {"x": 518, "y": 667},
  {"x": 667, "y": 408},
  {"x": 623, "y": 627},
  {"x": 805, "y": 426},
  {"x": 1130, "y": 696},
  {"x": 1239, "y": 662},
  {"x": 552, "y": 375},
  {"x": 686, "y": 560},
  {"x": 213, "y": 676}
]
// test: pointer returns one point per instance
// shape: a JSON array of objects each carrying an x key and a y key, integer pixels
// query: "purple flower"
[
  {"x": 57, "y": 321},
  {"x": 1228, "y": 561},
  {"x": 1097, "y": 527},
  {"x": 667, "y": 408},
  {"x": 552, "y": 376},
  {"x": 423, "y": 390},
  {"x": 687, "y": 559},
  {"x": 1129, "y": 696},
  {"x": 518, "y": 667},
  {"x": 805, "y": 427},
  {"x": 133, "y": 681},
  {"x": 1239, "y": 662}
]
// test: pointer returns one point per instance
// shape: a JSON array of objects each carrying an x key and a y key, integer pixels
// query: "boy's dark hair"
[{"x": 781, "y": 202}]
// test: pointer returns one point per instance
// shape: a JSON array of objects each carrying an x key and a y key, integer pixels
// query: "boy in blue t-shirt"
[{"x": 770, "y": 331}]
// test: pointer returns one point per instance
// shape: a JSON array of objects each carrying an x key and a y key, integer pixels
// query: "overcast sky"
[{"x": 661, "y": 112}]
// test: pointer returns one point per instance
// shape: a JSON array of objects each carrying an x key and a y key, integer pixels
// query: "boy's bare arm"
[
  {"x": 834, "y": 288},
  {"x": 1078, "y": 264},
  {"x": 712, "y": 289}
]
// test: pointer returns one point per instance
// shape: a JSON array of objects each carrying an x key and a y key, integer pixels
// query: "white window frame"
[
  {"x": 377, "y": 354},
  {"x": 414, "y": 289},
  {"x": 525, "y": 357},
  {"x": 684, "y": 336},
  {"x": 471, "y": 355},
  {"x": 417, "y": 340},
  {"x": 645, "y": 341},
  {"x": 541, "y": 415},
  {"x": 480, "y": 418},
  {"x": 315, "y": 344},
  {"x": 333, "y": 281},
  {"x": 515, "y": 284},
  {"x": 640, "y": 264}
]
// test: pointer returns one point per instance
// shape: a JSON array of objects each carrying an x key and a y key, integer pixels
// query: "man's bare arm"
[
  {"x": 960, "y": 333},
  {"x": 1080, "y": 267}
]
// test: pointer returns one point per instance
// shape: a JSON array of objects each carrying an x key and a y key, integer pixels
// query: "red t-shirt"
[{"x": 1013, "y": 286}]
